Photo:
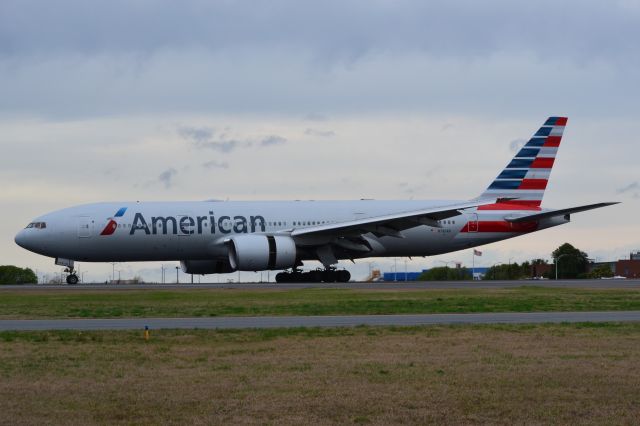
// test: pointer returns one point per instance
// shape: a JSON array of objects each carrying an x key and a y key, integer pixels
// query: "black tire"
[
  {"x": 72, "y": 279},
  {"x": 282, "y": 277},
  {"x": 344, "y": 276},
  {"x": 329, "y": 276},
  {"x": 313, "y": 277}
]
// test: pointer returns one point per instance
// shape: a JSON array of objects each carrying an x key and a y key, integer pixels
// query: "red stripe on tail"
[
  {"x": 533, "y": 184},
  {"x": 552, "y": 141},
  {"x": 542, "y": 163}
]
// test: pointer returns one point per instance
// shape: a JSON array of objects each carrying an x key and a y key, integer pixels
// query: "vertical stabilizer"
[{"x": 525, "y": 178}]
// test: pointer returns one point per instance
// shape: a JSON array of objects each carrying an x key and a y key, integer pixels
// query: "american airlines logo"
[
  {"x": 188, "y": 225},
  {"x": 112, "y": 225}
]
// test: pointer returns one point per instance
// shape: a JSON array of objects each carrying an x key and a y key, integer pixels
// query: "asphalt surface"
[
  {"x": 318, "y": 321},
  {"x": 399, "y": 285}
]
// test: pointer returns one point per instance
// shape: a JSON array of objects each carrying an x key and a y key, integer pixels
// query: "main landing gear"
[{"x": 330, "y": 275}]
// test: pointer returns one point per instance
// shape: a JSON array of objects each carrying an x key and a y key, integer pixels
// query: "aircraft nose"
[{"x": 21, "y": 239}]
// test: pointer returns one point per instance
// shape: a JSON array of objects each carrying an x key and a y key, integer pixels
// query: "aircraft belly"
[{"x": 139, "y": 248}]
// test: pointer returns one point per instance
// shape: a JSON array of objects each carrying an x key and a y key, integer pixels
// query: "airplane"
[{"x": 210, "y": 237}]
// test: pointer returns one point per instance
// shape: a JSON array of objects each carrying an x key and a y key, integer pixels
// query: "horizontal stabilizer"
[{"x": 560, "y": 212}]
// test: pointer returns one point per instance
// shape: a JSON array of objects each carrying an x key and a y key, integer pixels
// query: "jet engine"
[
  {"x": 201, "y": 267},
  {"x": 261, "y": 252}
]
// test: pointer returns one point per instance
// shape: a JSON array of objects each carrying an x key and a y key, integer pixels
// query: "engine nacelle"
[
  {"x": 261, "y": 252},
  {"x": 201, "y": 267}
]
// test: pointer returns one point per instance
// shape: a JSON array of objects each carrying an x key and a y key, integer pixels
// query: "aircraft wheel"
[
  {"x": 344, "y": 276},
  {"x": 283, "y": 277},
  {"x": 72, "y": 279},
  {"x": 329, "y": 276}
]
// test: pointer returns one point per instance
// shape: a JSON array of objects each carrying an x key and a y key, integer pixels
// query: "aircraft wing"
[
  {"x": 391, "y": 224},
  {"x": 561, "y": 212}
]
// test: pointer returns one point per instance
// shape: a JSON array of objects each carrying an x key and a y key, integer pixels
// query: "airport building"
[
  {"x": 628, "y": 268},
  {"x": 478, "y": 274}
]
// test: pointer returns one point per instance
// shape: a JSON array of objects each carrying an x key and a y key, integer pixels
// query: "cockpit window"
[{"x": 38, "y": 225}]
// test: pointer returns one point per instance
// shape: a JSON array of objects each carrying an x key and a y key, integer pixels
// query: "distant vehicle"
[
  {"x": 540, "y": 278},
  {"x": 211, "y": 237},
  {"x": 615, "y": 277}
]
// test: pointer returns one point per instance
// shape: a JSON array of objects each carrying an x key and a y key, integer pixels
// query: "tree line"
[
  {"x": 10, "y": 274},
  {"x": 571, "y": 262}
]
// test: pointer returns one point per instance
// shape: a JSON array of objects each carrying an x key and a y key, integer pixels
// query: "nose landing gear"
[{"x": 72, "y": 278}]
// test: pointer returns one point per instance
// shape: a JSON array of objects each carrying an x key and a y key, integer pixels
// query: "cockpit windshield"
[{"x": 38, "y": 225}]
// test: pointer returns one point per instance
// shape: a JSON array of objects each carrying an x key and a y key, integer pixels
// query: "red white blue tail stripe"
[{"x": 525, "y": 178}]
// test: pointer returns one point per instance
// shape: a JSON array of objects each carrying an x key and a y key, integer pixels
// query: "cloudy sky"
[{"x": 191, "y": 100}]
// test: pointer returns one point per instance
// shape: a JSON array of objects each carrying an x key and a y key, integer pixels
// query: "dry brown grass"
[{"x": 560, "y": 374}]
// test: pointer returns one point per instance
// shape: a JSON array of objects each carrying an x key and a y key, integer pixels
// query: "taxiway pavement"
[
  {"x": 386, "y": 285},
  {"x": 317, "y": 321}
]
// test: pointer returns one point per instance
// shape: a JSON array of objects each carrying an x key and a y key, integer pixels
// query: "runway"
[
  {"x": 388, "y": 285},
  {"x": 318, "y": 321}
]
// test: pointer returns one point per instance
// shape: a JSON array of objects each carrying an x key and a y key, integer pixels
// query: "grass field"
[
  {"x": 215, "y": 302},
  {"x": 558, "y": 374}
]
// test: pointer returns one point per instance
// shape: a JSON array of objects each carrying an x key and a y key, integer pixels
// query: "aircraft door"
[
  {"x": 473, "y": 222},
  {"x": 84, "y": 227}
]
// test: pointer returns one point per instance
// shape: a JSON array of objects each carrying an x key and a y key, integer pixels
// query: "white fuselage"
[{"x": 154, "y": 231}]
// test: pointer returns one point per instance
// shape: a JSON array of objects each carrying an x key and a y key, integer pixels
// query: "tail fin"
[{"x": 525, "y": 178}]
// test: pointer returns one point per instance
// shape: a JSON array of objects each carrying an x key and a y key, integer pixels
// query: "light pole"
[
  {"x": 405, "y": 270},
  {"x": 177, "y": 279},
  {"x": 558, "y": 260},
  {"x": 395, "y": 269}
]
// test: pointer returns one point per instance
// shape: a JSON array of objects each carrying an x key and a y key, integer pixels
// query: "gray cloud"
[
  {"x": 321, "y": 133},
  {"x": 357, "y": 27},
  {"x": 272, "y": 140},
  {"x": 213, "y": 164},
  {"x": 379, "y": 56},
  {"x": 223, "y": 146},
  {"x": 633, "y": 188},
  {"x": 209, "y": 138},
  {"x": 630, "y": 187},
  {"x": 197, "y": 134},
  {"x": 166, "y": 177},
  {"x": 516, "y": 144}
]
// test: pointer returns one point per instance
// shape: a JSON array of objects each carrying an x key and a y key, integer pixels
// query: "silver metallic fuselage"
[{"x": 197, "y": 230}]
